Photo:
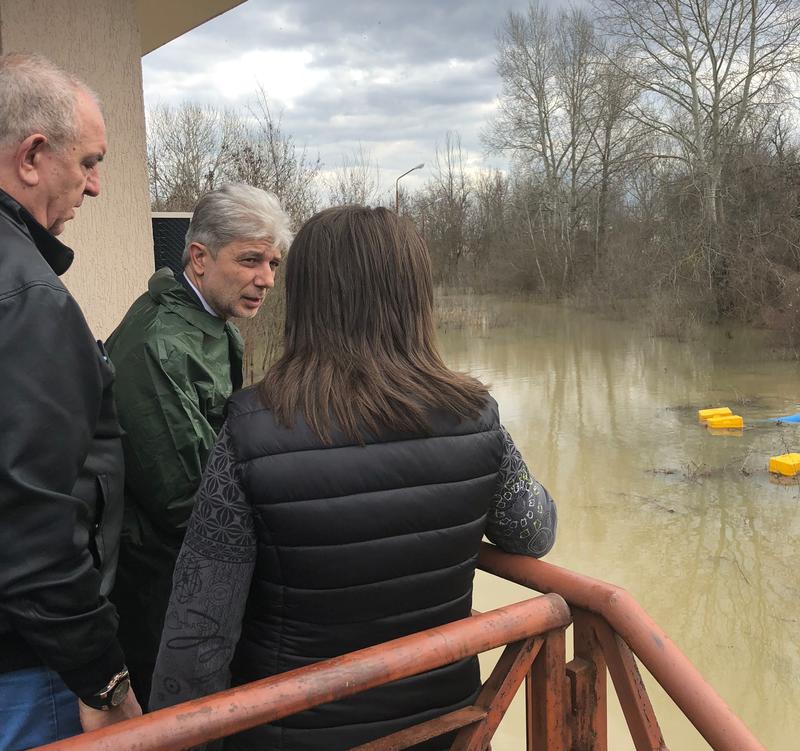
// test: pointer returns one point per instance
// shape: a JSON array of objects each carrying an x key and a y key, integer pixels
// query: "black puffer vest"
[{"x": 358, "y": 545}]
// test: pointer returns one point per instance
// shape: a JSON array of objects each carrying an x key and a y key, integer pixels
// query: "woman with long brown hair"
[{"x": 345, "y": 500}]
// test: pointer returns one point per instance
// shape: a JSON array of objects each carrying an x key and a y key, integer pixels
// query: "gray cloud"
[
  {"x": 394, "y": 76},
  {"x": 415, "y": 31}
]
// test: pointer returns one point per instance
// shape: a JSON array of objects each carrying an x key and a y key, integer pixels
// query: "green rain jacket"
[{"x": 176, "y": 366}]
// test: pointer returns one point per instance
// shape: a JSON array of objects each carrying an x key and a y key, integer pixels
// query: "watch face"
[{"x": 120, "y": 692}]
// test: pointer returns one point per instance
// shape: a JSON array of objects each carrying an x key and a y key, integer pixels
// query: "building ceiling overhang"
[{"x": 161, "y": 21}]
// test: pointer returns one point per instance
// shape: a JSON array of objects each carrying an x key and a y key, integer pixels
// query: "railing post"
[
  {"x": 588, "y": 715},
  {"x": 642, "y": 722},
  {"x": 704, "y": 708},
  {"x": 498, "y": 691},
  {"x": 546, "y": 695}
]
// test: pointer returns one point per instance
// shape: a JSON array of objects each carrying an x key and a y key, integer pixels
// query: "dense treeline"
[{"x": 654, "y": 158}]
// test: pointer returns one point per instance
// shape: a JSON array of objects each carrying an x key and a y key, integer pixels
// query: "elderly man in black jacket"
[{"x": 61, "y": 666}]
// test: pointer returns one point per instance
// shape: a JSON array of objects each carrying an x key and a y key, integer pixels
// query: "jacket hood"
[{"x": 166, "y": 290}]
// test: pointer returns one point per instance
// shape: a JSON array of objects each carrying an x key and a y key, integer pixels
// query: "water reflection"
[{"x": 690, "y": 523}]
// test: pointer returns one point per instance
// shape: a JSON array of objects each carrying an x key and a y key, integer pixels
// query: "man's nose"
[
  {"x": 265, "y": 277},
  {"x": 92, "y": 184}
]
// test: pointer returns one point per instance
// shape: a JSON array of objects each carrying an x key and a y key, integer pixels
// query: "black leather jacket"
[{"x": 60, "y": 468}]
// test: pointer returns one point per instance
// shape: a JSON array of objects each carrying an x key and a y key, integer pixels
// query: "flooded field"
[{"x": 691, "y": 524}]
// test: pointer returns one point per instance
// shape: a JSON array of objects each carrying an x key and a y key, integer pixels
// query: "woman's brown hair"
[{"x": 359, "y": 341}]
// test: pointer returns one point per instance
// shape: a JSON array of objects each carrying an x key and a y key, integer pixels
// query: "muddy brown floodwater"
[{"x": 691, "y": 524}]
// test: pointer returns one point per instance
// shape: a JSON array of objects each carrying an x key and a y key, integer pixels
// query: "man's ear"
[
  {"x": 28, "y": 158},
  {"x": 198, "y": 257}
]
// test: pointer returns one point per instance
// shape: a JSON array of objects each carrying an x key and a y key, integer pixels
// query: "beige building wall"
[{"x": 111, "y": 235}]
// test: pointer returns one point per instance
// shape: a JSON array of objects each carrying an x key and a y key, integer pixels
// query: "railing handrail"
[
  {"x": 701, "y": 704},
  {"x": 281, "y": 695},
  {"x": 273, "y": 698}
]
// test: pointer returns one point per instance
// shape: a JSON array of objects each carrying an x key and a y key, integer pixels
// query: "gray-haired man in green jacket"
[{"x": 178, "y": 358}]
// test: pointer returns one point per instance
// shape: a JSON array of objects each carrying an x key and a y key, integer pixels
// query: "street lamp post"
[{"x": 397, "y": 187}]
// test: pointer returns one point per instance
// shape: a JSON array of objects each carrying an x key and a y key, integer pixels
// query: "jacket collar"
[
  {"x": 58, "y": 256},
  {"x": 168, "y": 291},
  {"x": 194, "y": 292}
]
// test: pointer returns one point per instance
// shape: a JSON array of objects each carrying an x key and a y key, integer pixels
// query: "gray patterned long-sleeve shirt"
[{"x": 215, "y": 566}]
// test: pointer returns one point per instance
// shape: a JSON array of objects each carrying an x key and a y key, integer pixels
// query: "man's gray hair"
[
  {"x": 238, "y": 212},
  {"x": 36, "y": 96}
]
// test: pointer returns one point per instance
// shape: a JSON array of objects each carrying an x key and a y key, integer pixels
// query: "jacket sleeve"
[
  {"x": 51, "y": 396},
  {"x": 522, "y": 518},
  {"x": 210, "y": 587},
  {"x": 168, "y": 436}
]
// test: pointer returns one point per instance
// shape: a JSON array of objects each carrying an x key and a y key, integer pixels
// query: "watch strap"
[{"x": 113, "y": 694}]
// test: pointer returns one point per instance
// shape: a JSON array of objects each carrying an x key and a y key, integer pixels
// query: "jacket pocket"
[{"x": 98, "y": 543}]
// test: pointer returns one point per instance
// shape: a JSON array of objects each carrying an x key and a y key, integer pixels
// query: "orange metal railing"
[
  {"x": 566, "y": 701},
  {"x": 528, "y": 628},
  {"x": 609, "y": 628}
]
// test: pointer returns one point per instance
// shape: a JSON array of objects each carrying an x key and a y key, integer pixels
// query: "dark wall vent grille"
[{"x": 169, "y": 234}]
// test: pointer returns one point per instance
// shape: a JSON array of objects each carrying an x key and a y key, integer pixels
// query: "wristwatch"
[{"x": 113, "y": 694}]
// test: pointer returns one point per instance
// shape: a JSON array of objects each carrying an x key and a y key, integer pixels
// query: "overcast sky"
[{"x": 394, "y": 76}]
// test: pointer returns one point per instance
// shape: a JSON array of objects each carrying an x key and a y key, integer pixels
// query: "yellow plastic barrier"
[
  {"x": 705, "y": 414},
  {"x": 785, "y": 464},
  {"x": 725, "y": 421}
]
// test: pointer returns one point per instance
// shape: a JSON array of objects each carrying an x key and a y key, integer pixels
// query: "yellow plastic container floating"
[
  {"x": 785, "y": 464},
  {"x": 705, "y": 414},
  {"x": 727, "y": 422}
]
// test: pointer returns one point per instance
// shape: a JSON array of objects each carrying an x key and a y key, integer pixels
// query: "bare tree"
[
  {"x": 489, "y": 223},
  {"x": 574, "y": 74},
  {"x": 548, "y": 114},
  {"x": 263, "y": 155},
  {"x": 449, "y": 192},
  {"x": 705, "y": 67},
  {"x": 187, "y": 147},
  {"x": 529, "y": 100},
  {"x": 194, "y": 148},
  {"x": 356, "y": 180},
  {"x": 617, "y": 137}
]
